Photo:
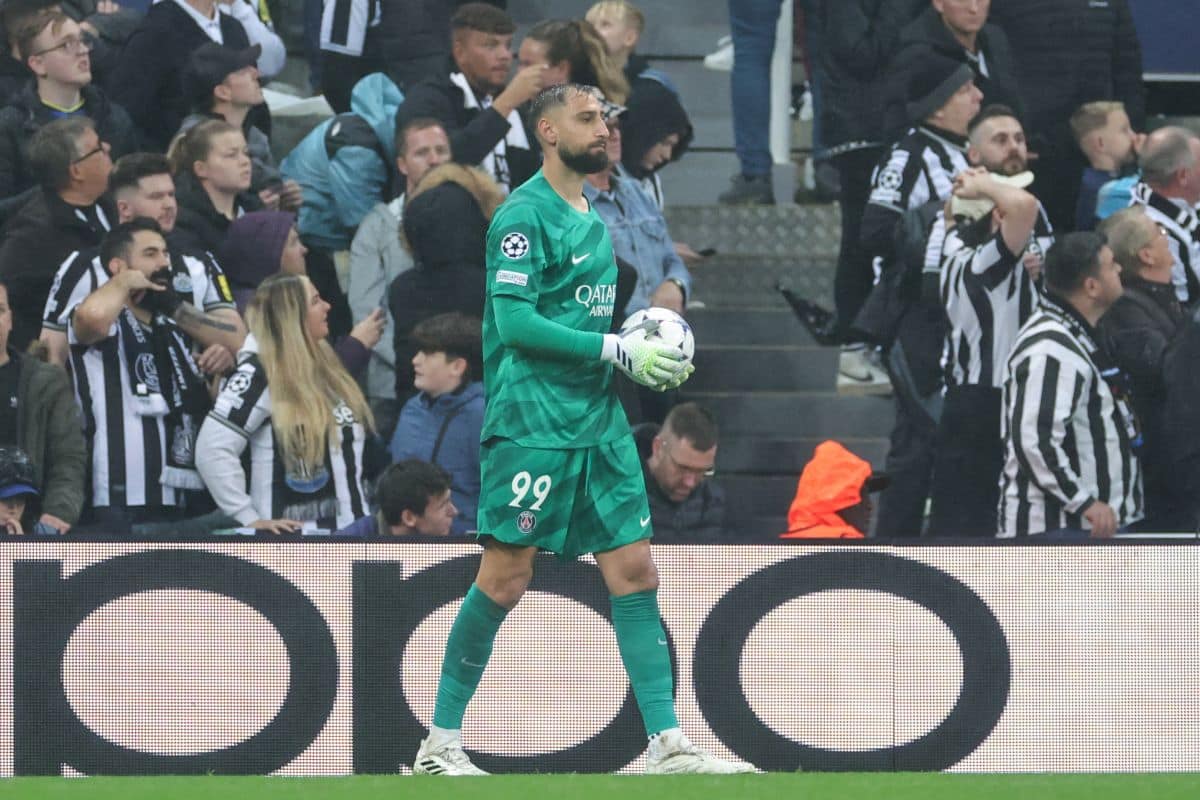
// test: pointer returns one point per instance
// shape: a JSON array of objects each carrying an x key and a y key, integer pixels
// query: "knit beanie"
[
  {"x": 932, "y": 80},
  {"x": 254, "y": 246}
]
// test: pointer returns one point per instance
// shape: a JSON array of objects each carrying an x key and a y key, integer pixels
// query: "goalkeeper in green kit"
[{"x": 560, "y": 471}]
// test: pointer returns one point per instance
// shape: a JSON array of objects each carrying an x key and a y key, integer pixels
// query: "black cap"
[
  {"x": 209, "y": 65},
  {"x": 16, "y": 473},
  {"x": 932, "y": 80}
]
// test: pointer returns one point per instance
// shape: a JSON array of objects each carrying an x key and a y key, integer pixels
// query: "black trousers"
[
  {"x": 854, "y": 278},
  {"x": 968, "y": 458},
  {"x": 910, "y": 456}
]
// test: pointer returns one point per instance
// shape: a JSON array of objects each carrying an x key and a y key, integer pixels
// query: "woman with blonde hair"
[{"x": 303, "y": 417}]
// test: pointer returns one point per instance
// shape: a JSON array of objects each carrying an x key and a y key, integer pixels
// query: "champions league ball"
[{"x": 671, "y": 329}]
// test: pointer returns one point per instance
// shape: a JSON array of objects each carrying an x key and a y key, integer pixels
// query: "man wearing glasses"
[
  {"x": 57, "y": 52},
  {"x": 70, "y": 211},
  {"x": 1139, "y": 330},
  {"x": 685, "y": 506}
]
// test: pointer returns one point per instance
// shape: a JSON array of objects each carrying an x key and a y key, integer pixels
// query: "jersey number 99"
[{"x": 521, "y": 484}]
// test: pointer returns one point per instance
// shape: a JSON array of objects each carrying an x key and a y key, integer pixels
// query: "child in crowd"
[
  {"x": 16, "y": 488},
  {"x": 620, "y": 24},
  {"x": 1103, "y": 133},
  {"x": 414, "y": 501},
  {"x": 442, "y": 423}
]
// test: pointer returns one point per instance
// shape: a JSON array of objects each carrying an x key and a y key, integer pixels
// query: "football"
[{"x": 671, "y": 329}]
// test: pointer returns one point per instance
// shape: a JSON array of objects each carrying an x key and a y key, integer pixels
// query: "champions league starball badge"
[{"x": 514, "y": 245}]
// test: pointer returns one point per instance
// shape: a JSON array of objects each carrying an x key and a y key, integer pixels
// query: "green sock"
[
  {"x": 467, "y": 654},
  {"x": 643, "y": 645}
]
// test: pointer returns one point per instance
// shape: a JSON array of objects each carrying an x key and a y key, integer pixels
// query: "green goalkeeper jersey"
[{"x": 560, "y": 260}]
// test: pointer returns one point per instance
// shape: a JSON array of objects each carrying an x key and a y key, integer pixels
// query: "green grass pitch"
[{"x": 818, "y": 786}]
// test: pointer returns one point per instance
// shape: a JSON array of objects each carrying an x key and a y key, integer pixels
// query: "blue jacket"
[
  {"x": 344, "y": 165},
  {"x": 422, "y": 419}
]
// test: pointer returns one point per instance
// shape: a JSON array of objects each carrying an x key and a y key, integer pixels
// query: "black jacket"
[
  {"x": 13, "y": 77},
  {"x": 1069, "y": 53},
  {"x": 1137, "y": 333},
  {"x": 147, "y": 80},
  {"x": 859, "y": 39},
  {"x": 199, "y": 227},
  {"x": 37, "y": 239},
  {"x": 700, "y": 519},
  {"x": 473, "y": 132},
  {"x": 926, "y": 34},
  {"x": 26, "y": 115},
  {"x": 446, "y": 231}
]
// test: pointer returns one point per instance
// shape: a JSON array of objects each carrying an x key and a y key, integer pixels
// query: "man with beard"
[
  {"x": 559, "y": 468},
  {"x": 141, "y": 394},
  {"x": 142, "y": 186}
]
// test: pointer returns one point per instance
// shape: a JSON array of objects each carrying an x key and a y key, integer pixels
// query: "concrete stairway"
[{"x": 771, "y": 387}]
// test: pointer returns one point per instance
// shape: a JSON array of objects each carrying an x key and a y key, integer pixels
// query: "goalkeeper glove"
[
  {"x": 649, "y": 363},
  {"x": 677, "y": 381}
]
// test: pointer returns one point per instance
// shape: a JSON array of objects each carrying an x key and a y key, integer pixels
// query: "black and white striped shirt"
[
  {"x": 247, "y": 475},
  {"x": 1182, "y": 225},
  {"x": 988, "y": 295},
  {"x": 197, "y": 279},
  {"x": 344, "y": 25},
  {"x": 1068, "y": 439},
  {"x": 920, "y": 167},
  {"x": 128, "y": 449}
]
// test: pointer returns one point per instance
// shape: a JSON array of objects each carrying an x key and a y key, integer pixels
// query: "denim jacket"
[{"x": 639, "y": 236}]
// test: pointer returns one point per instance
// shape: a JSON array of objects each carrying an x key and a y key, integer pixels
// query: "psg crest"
[{"x": 526, "y": 521}]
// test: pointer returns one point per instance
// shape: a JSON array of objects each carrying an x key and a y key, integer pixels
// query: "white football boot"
[
  {"x": 444, "y": 757},
  {"x": 671, "y": 753}
]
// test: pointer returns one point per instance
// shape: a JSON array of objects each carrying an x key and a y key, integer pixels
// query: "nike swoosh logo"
[
  {"x": 579, "y": 259},
  {"x": 645, "y": 521},
  {"x": 663, "y": 642},
  {"x": 469, "y": 664}
]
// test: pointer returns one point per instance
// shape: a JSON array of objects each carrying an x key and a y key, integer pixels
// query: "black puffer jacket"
[
  {"x": 859, "y": 39},
  {"x": 1068, "y": 53},
  {"x": 26, "y": 115},
  {"x": 447, "y": 232},
  {"x": 200, "y": 228}
]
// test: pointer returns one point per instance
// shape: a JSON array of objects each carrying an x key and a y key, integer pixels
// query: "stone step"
[
  {"x": 767, "y": 325},
  {"x": 749, "y": 496},
  {"x": 770, "y": 368},
  {"x": 725, "y": 282},
  {"x": 798, "y": 414},
  {"x": 770, "y": 455},
  {"x": 754, "y": 528},
  {"x": 808, "y": 231}
]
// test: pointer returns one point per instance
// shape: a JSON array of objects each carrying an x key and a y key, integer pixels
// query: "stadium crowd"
[{"x": 199, "y": 334}]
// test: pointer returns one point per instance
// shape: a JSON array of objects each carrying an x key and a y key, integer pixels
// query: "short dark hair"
[
  {"x": 455, "y": 334},
  {"x": 54, "y": 148},
  {"x": 130, "y": 169},
  {"x": 482, "y": 17},
  {"x": 990, "y": 112},
  {"x": 407, "y": 486},
  {"x": 117, "y": 242},
  {"x": 412, "y": 126},
  {"x": 1071, "y": 260},
  {"x": 556, "y": 96},
  {"x": 693, "y": 422}
]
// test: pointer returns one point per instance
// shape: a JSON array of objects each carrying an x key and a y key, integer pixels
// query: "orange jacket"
[{"x": 830, "y": 483}]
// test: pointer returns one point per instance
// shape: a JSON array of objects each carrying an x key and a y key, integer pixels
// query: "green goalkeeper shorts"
[{"x": 568, "y": 502}]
